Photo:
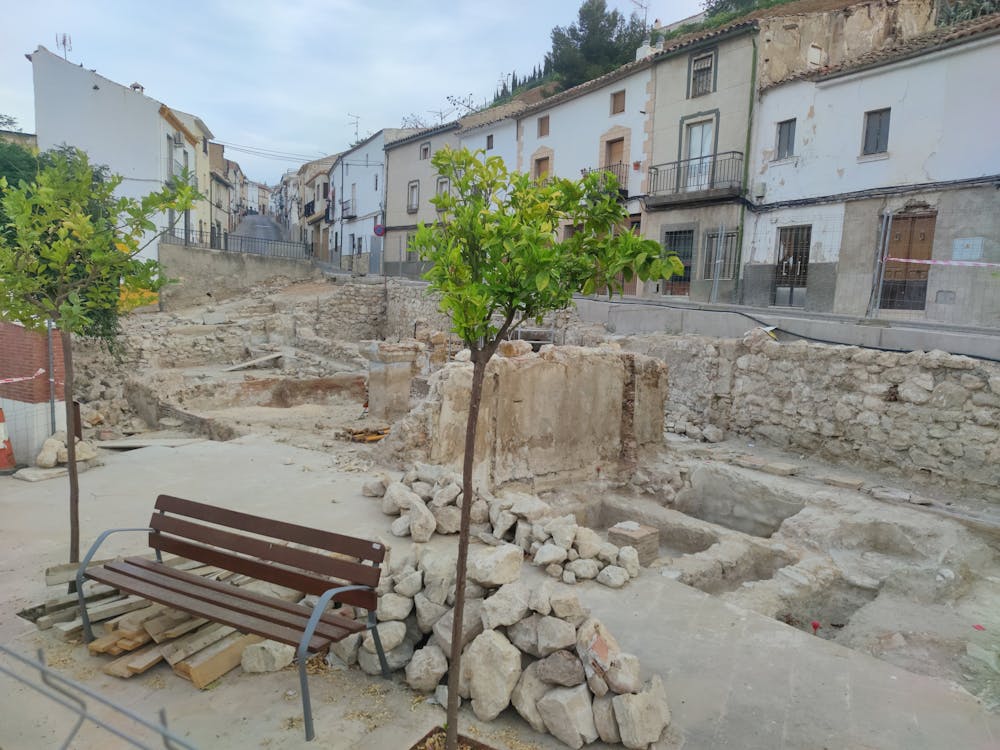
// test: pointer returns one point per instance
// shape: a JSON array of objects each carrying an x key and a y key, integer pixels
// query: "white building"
[
  {"x": 493, "y": 131},
  {"x": 139, "y": 138},
  {"x": 891, "y": 155}
]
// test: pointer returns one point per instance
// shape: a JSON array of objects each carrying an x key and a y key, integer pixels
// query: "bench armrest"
[
  {"x": 320, "y": 607},
  {"x": 81, "y": 571}
]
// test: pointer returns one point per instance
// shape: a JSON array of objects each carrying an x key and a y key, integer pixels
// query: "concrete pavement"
[{"x": 260, "y": 227}]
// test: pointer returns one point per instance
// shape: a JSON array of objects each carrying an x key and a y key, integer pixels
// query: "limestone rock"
[
  {"x": 596, "y": 647},
  {"x": 549, "y": 554},
  {"x": 569, "y": 577},
  {"x": 401, "y": 526},
  {"x": 393, "y": 607},
  {"x": 496, "y": 566},
  {"x": 524, "y": 634},
  {"x": 530, "y": 508},
  {"x": 267, "y": 656},
  {"x": 422, "y": 521},
  {"x": 568, "y": 715},
  {"x": 84, "y": 452},
  {"x": 628, "y": 558},
  {"x": 554, "y": 634},
  {"x": 492, "y": 666},
  {"x": 584, "y": 568},
  {"x": 448, "y": 519},
  {"x": 555, "y": 570},
  {"x": 472, "y": 625},
  {"x": 514, "y": 348},
  {"x": 563, "y": 530},
  {"x": 347, "y": 649},
  {"x": 423, "y": 490},
  {"x": 373, "y": 488},
  {"x": 642, "y": 717},
  {"x": 604, "y": 720},
  {"x": 540, "y": 599},
  {"x": 587, "y": 542},
  {"x": 596, "y": 683},
  {"x": 608, "y": 553},
  {"x": 623, "y": 674},
  {"x": 479, "y": 512},
  {"x": 527, "y": 692},
  {"x": 48, "y": 456},
  {"x": 566, "y": 604},
  {"x": 391, "y": 634},
  {"x": 508, "y": 605},
  {"x": 712, "y": 434},
  {"x": 445, "y": 496},
  {"x": 426, "y": 669},
  {"x": 613, "y": 577},
  {"x": 561, "y": 668},
  {"x": 397, "y": 498},
  {"x": 428, "y": 473},
  {"x": 409, "y": 583},
  {"x": 428, "y": 612},
  {"x": 522, "y": 535},
  {"x": 505, "y": 521},
  {"x": 398, "y": 658}
]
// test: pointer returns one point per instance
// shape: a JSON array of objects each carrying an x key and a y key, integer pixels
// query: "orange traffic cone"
[{"x": 7, "y": 465}]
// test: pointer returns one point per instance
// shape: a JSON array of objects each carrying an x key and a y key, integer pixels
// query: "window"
[
  {"x": 786, "y": 140},
  {"x": 724, "y": 261},
  {"x": 425, "y": 150},
  {"x": 326, "y": 190},
  {"x": 376, "y": 182},
  {"x": 876, "y": 132},
  {"x": 442, "y": 187},
  {"x": 792, "y": 273},
  {"x": 489, "y": 142},
  {"x": 411, "y": 254},
  {"x": 413, "y": 197},
  {"x": 682, "y": 243},
  {"x": 543, "y": 126},
  {"x": 541, "y": 167},
  {"x": 618, "y": 102},
  {"x": 702, "y": 74},
  {"x": 204, "y": 145}
]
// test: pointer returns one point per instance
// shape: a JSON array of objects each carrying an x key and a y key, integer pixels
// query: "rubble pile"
[
  {"x": 530, "y": 646},
  {"x": 428, "y": 500}
]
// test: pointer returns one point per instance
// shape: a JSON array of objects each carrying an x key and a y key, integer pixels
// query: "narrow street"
[{"x": 260, "y": 227}]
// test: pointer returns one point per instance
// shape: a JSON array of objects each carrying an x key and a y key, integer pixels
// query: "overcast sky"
[{"x": 285, "y": 76}]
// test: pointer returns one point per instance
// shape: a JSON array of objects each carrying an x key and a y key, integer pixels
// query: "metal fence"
[{"x": 237, "y": 243}]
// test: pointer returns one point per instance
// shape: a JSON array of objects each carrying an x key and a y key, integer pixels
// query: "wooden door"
[{"x": 904, "y": 285}]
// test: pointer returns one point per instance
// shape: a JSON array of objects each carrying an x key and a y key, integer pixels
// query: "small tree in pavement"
[
  {"x": 69, "y": 255},
  {"x": 498, "y": 262}
]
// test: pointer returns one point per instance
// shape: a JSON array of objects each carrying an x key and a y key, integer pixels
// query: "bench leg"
[
  {"x": 378, "y": 645},
  {"x": 304, "y": 687}
]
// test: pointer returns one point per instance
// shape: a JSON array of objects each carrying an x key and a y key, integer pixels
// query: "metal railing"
[
  {"x": 237, "y": 243},
  {"x": 619, "y": 170},
  {"x": 347, "y": 210},
  {"x": 721, "y": 173},
  {"x": 309, "y": 209}
]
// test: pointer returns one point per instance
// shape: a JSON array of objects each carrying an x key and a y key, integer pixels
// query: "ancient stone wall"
[
  {"x": 407, "y": 305},
  {"x": 925, "y": 416}
]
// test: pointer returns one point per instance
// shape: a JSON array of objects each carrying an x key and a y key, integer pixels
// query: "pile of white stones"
[
  {"x": 427, "y": 500},
  {"x": 528, "y": 645}
]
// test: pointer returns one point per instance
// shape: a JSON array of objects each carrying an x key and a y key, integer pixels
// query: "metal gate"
[{"x": 792, "y": 271}]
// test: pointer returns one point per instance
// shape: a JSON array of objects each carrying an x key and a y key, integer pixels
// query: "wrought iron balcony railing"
[
  {"x": 347, "y": 209},
  {"x": 718, "y": 175},
  {"x": 619, "y": 170}
]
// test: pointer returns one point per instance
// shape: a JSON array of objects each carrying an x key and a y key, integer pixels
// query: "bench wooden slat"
[
  {"x": 231, "y": 600},
  {"x": 291, "y": 532},
  {"x": 331, "y": 617},
  {"x": 223, "y": 615},
  {"x": 262, "y": 571},
  {"x": 297, "y": 558}
]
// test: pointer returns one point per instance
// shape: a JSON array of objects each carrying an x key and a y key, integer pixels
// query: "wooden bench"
[{"x": 210, "y": 535}]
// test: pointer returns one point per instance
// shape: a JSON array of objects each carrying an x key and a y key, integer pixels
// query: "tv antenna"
[
  {"x": 356, "y": 119},
  {"x": 644, "y": 6},
  {"x": 441, "y": 114},
  {"x": 65, "y": 43}
]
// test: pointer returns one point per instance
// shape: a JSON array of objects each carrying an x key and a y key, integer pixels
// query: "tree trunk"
[
  {"x": 74, "y": 481},
  {"x": 480, "y": 360}
]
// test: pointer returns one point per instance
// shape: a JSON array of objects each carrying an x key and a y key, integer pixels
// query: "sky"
[{"x": 288, "y": 77}]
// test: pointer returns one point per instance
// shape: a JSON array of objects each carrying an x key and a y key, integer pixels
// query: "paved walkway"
[{"x": 735, "y": 679}]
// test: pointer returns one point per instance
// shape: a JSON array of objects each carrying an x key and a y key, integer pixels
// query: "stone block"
[
  {"x": 645, "y": 539},
  {"x": 569, "y": 715}
]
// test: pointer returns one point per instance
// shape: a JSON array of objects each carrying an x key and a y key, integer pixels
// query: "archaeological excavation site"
[{"x": 676, "y": 540}]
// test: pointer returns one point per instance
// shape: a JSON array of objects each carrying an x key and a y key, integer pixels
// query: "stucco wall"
[{"x": 504, "y": 141}]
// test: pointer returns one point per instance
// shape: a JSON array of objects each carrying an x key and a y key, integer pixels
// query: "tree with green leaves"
[
  {"x": 70, "y": 256},
  {"x": 597, "y": 43},
  {"x": 498, "y": 261},
  {"x": 8, "y": 123}
]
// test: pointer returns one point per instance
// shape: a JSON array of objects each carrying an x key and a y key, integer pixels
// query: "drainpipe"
[{"x": 737, "y": 296}]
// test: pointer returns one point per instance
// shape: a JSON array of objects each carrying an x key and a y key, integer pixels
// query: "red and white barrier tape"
[
  {"x": 967, "y": 263},
  {"x": 40, "y": 371}
]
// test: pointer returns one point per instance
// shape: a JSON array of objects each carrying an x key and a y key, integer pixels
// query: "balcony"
[
  {"x": 347, "y": 209},
  {"x": 699, "y": 179},
  {"x": 619, "y": 170},
  {"x": 309, "y": 209}
]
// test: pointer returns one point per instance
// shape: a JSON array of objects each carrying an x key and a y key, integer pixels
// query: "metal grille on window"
[
  {"x": 725, "y": 261},
  {"x": 701, "y": 75},
  {"x": 682, "y": 243},
  {"x": 792, "y": 271}
]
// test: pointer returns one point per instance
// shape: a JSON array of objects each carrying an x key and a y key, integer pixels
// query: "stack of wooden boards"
[{"x": 141, "y": 633}]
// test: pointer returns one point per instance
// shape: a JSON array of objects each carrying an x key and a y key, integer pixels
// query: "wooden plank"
[
  {"x": 67, "y": 571},
  {"x": 68, "y": 630},
  {"x": 328, "y": 540},
  {"x": 182, "y": 648},
  {"x": 91, "y": 591},
  {"x": 130, "y": 626},
  {"x": 119, "y": 667},
  {"x": 102, "y": 644},
  {"x": 168, "y": 619},
  {"x": 204, "y": 670},
  {"x": 183, "y": 627},
  {"x": 183, "y": 667},
  {"x": 144, "y": 660},
  {"x": 253, "y": 362},
  {"x": 66, "y": 615},
  {"x": 131, "y": 644}
]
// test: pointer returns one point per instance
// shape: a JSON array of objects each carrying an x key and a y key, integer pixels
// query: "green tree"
[
  {"x": 498, "y": 261},
  {"x": 16, "y": 163},
  {"x": 597, "y": 43},
  {"x": 718, "y": 7},
  {"x": 70, "y": 256},
  {"x": 8, "y": 123}
]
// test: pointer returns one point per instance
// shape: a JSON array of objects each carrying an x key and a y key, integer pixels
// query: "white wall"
[
  {"x": 359, "y": 175},
  {"x": 760, "y": 232},
  {"x": 944, "y": 111},
  {"x": 576, "y": 126},
  {"x": 504, "y": 135}
]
